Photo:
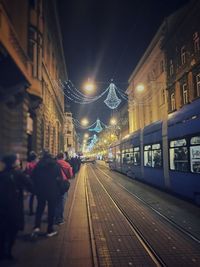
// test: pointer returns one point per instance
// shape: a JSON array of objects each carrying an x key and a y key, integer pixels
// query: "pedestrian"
[
  {"x": 12, "y": 183},
  {"x": 67, "y": 174},
  {"x": 45, "y": 176},
  {"x": 31, "y": 164}
]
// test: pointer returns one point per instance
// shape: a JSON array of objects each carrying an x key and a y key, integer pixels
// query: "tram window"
[
  {"x": 195, "y": 154},
  {"x": 179, "y": 155},
  {"x": 136, "y": 156},
  {"x": 156, "y": 156},
  {"x": 147, "y": 156}
]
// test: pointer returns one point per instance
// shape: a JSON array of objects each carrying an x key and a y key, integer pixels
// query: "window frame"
[
  {"x": 188, "y": 145},
  {"x": 185, "y": 93},
  {"x": 198, "y": 84},
  {"x": 152, "y": 150}
]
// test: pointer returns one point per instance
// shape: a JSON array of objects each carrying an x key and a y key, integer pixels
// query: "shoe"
[
  {"x": 52, "y": 233},
  {"x": 35, "y": 232},
  {"x": 60, "y": 222}
]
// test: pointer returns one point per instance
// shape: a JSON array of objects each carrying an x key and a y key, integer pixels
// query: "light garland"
[{"x": 73, "y": 94}]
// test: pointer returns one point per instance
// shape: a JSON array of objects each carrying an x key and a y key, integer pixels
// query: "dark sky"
[{"x": 105, "y": 39}]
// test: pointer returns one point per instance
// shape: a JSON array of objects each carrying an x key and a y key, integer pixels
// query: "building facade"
[
  {"x": 149, "y": 105},
  {"x": 69, "y": 134},
  {"x": 182, "y": 49},
  {"x": 31, "y": 65}
]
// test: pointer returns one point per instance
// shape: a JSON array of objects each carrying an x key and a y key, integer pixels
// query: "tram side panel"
[
  {"x": 152, "y": 153},
  {"x": 184, "y": 158}
]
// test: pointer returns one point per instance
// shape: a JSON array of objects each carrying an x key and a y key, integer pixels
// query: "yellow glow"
[
  {"x": 86, "y": 135},
  {"x": 113, "y": 121},
  {"x": 140, "y": 87},
  {"x": 89, "y": 86},
  {"x": 84, "y": 122}
]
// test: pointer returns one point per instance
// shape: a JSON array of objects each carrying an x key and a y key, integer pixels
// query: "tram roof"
[{"x": 186, "y": 112}]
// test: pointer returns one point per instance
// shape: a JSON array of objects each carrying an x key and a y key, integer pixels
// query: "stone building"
[
  {"x": 150, "y": 104},
  {"x": 69, "y": 134},
  {"x": 182, "y": 49},
  {"x": 31, "y": 65}
]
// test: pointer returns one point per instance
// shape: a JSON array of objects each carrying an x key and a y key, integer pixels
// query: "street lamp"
[
  {"x": 84, "y": 122},
  {"x": 140, "y": 87},
  {"x": 89, "y": 86},
  {"x": 113, "y": 121},
  {"x": 86, "y": 135}
]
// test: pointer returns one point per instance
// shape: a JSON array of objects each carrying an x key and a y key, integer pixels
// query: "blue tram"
[{"x": 165, "y": 154}]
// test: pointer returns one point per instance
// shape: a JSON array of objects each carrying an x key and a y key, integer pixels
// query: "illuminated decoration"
[
  {"x": 92, "y": 142},
  {"x": 73, "y": 94},
  {"x": 98, "y": 128},
  {"x": 112, "y": 100},
  {"x": 98, "y": 125}
]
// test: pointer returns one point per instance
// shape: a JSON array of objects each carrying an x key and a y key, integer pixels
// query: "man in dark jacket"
[
  {"x": 45, "y": 176},
  {"x": 12, "y": 183}
]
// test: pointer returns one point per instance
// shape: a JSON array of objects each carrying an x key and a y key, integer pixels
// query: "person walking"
[
  {"x": 67, "y": 174},
  {"x": 45, "y": 176},
  {"x": 31, "y": 164},
  {"x": 12, "y": 183}
]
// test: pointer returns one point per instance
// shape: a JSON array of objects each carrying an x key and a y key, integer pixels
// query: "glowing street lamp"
[
  {"x": 86, "y": 135},
  {"x": 140, "y": 88},
  {"x": 84, "y": 122},
  {"x": 113, "y": 121},
  {"x": 89, "y": 86}
]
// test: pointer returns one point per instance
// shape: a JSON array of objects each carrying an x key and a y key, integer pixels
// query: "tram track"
[
  {"x": 150, "y": 244},
  {"x": 147, "y": 247},
  {"x": 177, "y": 226}
]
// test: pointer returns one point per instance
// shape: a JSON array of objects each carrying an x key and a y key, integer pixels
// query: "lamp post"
[{"x": 84, "y": 122}]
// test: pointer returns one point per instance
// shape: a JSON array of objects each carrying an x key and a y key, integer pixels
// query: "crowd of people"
[{"x": 42, "y": 178}]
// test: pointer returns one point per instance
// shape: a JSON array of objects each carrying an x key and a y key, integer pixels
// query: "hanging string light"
[{"x": 73, "y": 94}]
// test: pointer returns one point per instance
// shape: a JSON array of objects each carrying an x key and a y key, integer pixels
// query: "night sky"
[{"x": 105, "y": 39}]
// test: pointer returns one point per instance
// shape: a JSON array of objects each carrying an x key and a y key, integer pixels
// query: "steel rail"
[
  {"x": 147, "y": 246},
  {"x": 174, "y": 224},
  {"x": 91, "y": 232}
]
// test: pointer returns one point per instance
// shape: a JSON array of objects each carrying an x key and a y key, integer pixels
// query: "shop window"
[
  {"x": 195, "y": 154},
  {"x": 136, "y": 156},
  {"x": 179, "y": 155}
]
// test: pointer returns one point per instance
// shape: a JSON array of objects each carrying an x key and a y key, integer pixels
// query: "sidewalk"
[{"x": 71, "y": 247}]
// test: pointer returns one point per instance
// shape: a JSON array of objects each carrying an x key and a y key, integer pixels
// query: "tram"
[{"x": 165, "y": 154}]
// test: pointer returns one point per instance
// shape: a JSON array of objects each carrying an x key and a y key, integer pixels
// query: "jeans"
[
  {"x": 51, "y": 212},
  {"x": 60, "y": 206}
]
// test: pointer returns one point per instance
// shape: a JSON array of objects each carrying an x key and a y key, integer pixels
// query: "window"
[
  {"x": 198, "y": 84},
  {"x": 195, "y": 154},
  {"x": 152, "y": 156},
  {"x": 127, "y": 156},
  {"x": 162, "y": 66},
  {"x": 156, "y": 156},
  {"x": 171, "y": 68},
  {"x": 173, "y": 104},
  {"x": 185, "y": 94},
  {"x": 136, "y": 156},
  {"x": 183, "y": 55},
  {"x": 196, "y": 42},
  {"x": 162, "y": 96},
  {"x": 179, "y": 155},
  {"x": 118, "y": 155}
]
